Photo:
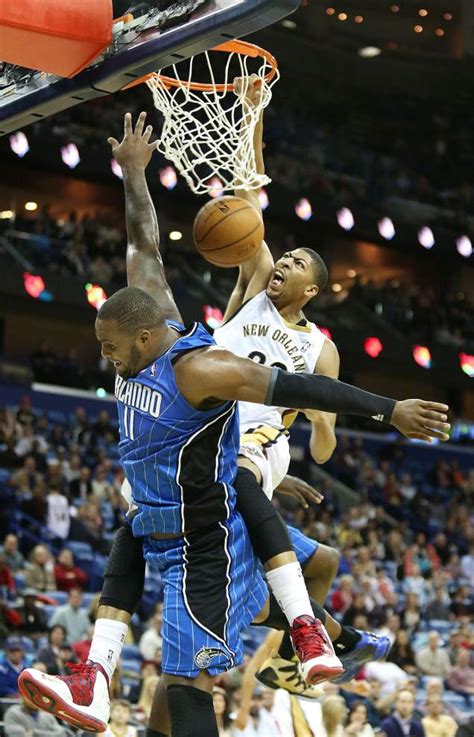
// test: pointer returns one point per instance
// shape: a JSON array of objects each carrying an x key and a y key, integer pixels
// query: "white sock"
[
  {"x": 289, "y": 589},
  {"x": 107, "y": 643}
]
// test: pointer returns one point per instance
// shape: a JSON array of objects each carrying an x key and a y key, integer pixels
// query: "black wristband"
[{"x": 312, "y": 391}]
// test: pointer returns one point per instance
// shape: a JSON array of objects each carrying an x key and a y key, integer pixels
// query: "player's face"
[
  {"x": 119, "y": 348},
  {"x": 292, "y": 279}
]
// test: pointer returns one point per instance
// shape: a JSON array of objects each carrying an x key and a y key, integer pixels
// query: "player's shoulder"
[{"x": 249, "y": 303}]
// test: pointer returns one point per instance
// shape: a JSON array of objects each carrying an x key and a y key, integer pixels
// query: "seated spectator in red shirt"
[
  {"x": 343, "y": 596},
  {"x": 81, "y": 649},
  {"x": 6, "y": 579},
  {"x": 67, "y": 575}
]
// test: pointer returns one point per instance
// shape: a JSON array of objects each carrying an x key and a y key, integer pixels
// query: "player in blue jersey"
[{"x": 179, "y": 439}]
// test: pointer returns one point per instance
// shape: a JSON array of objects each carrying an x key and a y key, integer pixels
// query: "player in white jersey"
[{"x": 264, "y": 321}]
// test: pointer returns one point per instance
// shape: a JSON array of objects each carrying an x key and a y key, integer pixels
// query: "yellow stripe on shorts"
[{"x": 264, "y": 435}]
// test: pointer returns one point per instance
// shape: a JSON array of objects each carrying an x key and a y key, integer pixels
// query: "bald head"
[{"x": 132, "y": 309}]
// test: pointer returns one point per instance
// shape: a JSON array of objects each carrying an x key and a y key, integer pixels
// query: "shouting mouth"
[{"x": 277, "y": 279}]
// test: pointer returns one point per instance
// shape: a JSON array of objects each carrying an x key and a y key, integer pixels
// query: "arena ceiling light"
[
  {"x": 175, "y": 235},
  {"x": 345, "y": 218},
  {"x": 369, "y": 52},
  {"x": 31, "y": 206},
  {"x": 426, "y": 237},
  {"x": 263, "y": 198},
  {"x": 6, "y": 214},
  {"x": 464, "y": 246},
  {"x": 373, "y": 346},
  {"x": 213, "y": 316},
  {"x": 422, "y": 356},
  {"x": 19, "y": 144},
  {"x": 466, "y": 361},
  {"x": 35, "y": 287},
  {"x": 96, "y": 296},
  {"x": 168, "y": 177},
  {"x": 303, "y": 209},
  {"x": 386, "y": 228},
  {"x": 70, "y": 155},
  {"x": 116, "y": 168}
]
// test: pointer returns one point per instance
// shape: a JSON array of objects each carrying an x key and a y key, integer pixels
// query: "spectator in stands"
[
  {"x": 151, "y": 639},
  {"x": 11, "y": 665},
  {"x": 81, "y": 487},
  {"x": 357, "y": 607},
  {"x": 410, "y": 614},
  {"x": 120, "y": 714},
  {"x": 81, "y": 649},
  {"x": 358, "y": 725},
  {"x": 461, "y": 676},
  {"x": 7, "y": 582},
  {"x": 343, "y": 596},
  {"x": 12, "y": 556},
  {"x": 67, "y": 575},
  {"x": 40, "y": 572},
  {"x": 102, "y": 489},
  {"x": 103, "y": 428},
  {"x": 258, "y": 720},
  {"x": 416, "y": 584},
  {"x": 24, "y": 414},
  {"x": 402, "y": 654},
  {"x": 74, "y": 619},
  {"x": 58, "y": 520},
  {"x": 333, "y": 715},
  {"x": 32, "y": 617},
  {"x": 221, "y": 701},
  {"x": 402, "y": 722},
  {"x": 435, "y": 689},
  {"x": 467, "y": 566},
  {"x": 29, "y": 442},
  {"x": 389, "y": 675},
  {"x": 433, "y": 660},
  {"x": 436, "y": 723},
  {"x": 437, "y": 607},
  {"x": 25, "y": 720},
  {"x": 391, "y": 628},
  {"x": 50, "y": 653},
  {"x": 27, "y": 477}
]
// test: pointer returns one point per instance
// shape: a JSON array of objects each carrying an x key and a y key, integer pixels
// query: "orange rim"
[{"x": 244, "y": 48}]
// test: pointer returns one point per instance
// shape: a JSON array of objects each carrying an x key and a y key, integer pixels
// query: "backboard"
[{"x": 26, "y": 97}]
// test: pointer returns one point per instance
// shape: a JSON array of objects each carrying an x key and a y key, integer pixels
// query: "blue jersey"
[{"x": 180, "y": 461}]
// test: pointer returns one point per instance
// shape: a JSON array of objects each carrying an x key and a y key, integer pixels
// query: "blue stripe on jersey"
[{"x": 180, "y": 461}]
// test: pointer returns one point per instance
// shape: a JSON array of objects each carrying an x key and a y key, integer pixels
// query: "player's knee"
[{"x": 324, "y": 563}]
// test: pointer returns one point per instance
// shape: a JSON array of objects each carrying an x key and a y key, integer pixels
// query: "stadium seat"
[
  {"x": 131, "y": 652},
  {"x": 78, "y": 548},
  {"x": 130, "y": 666},
  {"x": 60, "y": 597},
  {"x": 440, "y": 625}
]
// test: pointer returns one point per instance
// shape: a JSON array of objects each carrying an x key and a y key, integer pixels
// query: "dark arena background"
[{"x": 369, "y": 143}]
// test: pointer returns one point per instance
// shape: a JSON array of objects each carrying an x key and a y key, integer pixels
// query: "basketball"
[{"x": 228, "y": 231}]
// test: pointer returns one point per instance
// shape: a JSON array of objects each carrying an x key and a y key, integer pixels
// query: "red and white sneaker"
[
  {"x": 314, "y": 649},
  {"x": 81, "y": 699}
]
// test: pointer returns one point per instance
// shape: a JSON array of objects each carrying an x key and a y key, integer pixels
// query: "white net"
[{"x": 209, "y": 132}]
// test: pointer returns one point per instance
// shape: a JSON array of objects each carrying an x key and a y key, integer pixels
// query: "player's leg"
[{"x": 82, "y": 698}]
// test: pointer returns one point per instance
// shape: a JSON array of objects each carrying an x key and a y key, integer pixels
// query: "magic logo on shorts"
[{"x": 205, "y": 655}]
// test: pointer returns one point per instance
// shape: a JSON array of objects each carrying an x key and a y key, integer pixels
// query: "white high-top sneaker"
[
  {"x": 314, "y": 649},
  {"x": 82, "y": 699}
]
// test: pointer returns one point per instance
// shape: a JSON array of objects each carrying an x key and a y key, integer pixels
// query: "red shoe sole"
[
  {"x": 47, "y": 700},
  {"x": 319, "y": 674}
]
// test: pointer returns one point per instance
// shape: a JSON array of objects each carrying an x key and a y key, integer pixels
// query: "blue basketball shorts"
[
  {"x": 213, "y": 590},
  {"x": 304, "y": 546}
]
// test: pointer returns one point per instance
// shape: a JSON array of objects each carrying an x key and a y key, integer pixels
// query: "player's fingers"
[
  {"x": 153, "y": 145},
  {"x": 443, "y": 427},
  {"x": 127, "y": 124},
  {"x": 434, "y": 405},
  {"x": 147, "y": 135},
  {"x": 429, "y": 414},
  {"x": 301, "y": 499},
  {"x": 113, "y": 142},
  {"x": 419, "y": 436},
  {"x": 310, "y": 494},
  {"x": 140, "y": 124},
  {"x": 437, "y": 434}
]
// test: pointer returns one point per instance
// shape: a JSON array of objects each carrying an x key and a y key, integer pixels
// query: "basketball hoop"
[{"x": 209, "y": 127}]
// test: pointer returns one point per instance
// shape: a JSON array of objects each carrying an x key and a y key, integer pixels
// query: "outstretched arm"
[
  {"x": 144, "y": 262},
  {"x": 254, "y": 273},
  {"x": 215, "y": 374}
]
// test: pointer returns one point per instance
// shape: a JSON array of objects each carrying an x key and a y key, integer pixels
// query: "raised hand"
[
  {"x": 416, "y": 418},
  {"x": 302, "y": 491},
  {"x": 135, "y": 149}
]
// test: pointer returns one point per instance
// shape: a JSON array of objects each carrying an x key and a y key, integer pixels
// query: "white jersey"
[{"x": 258, "y": 331}]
